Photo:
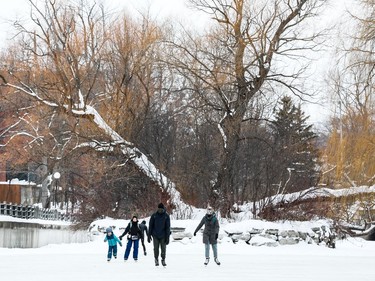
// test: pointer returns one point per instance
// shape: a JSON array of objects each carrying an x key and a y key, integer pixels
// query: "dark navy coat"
[{"x": 160, "y": 225}]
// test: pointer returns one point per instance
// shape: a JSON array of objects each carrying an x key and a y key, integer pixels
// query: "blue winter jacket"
[{"x": 112, "y": 240}]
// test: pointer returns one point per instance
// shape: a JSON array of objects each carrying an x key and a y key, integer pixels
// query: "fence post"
[
  {"x": 14, "y": 211},
  {"x": 8, "y": 209},
  {"x": 2, "y": 208}
]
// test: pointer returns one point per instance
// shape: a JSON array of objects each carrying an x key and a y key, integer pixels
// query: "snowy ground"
[{"x": 353, "y": 259}]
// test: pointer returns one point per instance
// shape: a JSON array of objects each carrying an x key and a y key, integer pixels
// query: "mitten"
[
  {"x": 120, "y": 237},
  {"x": 195, "y": 233},
  {"x": 120, "y": 244},
  {"x": 216, "y": 236},
  {"x": 167, "y": 240},
  {"x": 149, "y": 239}
]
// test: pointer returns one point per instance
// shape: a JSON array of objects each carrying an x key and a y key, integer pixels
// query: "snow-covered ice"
[{"x": 353, "y": 259}]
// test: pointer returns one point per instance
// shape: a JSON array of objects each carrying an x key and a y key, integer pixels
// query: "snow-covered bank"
[{"x": 253, "y": 232}]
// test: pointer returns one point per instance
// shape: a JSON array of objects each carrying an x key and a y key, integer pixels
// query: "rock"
[
  {"x": 288, "y": 241},
  {"x": 259, "y": 240},
  {"x": 181, "y": 235}
]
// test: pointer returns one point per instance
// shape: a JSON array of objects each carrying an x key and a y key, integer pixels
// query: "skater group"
[{"x": 159, "y": 233}]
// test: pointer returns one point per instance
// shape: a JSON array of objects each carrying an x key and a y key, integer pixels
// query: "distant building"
[{"x": 19, "y": 192}]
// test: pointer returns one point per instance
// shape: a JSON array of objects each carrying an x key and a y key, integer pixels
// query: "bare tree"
[
  {"x": 71, "y": 63},
  {"x": 254, "y": 46}
]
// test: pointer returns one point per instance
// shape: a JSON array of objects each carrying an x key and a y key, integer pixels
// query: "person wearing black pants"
[
  {"x": 144, "y": 230},
  {"x": 159, "y": 232}
]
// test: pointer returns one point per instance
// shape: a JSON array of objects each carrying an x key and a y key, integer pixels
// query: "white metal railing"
[{"x": 32, "y": 212}]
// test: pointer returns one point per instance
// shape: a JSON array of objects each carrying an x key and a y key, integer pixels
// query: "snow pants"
[{"x": 112, "y": 249}]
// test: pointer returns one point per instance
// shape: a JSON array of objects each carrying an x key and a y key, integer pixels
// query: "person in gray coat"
[{"x": 210, "y": 234}]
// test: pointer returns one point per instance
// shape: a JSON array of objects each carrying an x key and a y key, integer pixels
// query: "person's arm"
[
  {"x": 151, "y": 228},
  {"x": 125, "y": 231},
  {"x": 167, "y": 229},
  {"x": 117, "y": 240},
  {"x": 199, "y": 226},
  {"x": 168, "y": 226},
  {"x": 217, "y": 228}
]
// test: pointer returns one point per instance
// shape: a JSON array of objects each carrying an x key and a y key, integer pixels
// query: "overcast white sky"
[
  {"x": 19, "y": 9},
  {"x": 177, "y": 9}
]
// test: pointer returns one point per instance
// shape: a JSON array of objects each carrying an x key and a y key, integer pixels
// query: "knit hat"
[
  {"x": 161, "y": 206},
  {"x": 108, "y": 229}
]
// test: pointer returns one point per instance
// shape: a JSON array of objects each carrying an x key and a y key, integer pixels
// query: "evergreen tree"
[{"x": 296, "y": 158}]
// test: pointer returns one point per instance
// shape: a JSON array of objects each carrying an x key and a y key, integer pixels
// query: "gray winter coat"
[{"x": 211, "y": 229}]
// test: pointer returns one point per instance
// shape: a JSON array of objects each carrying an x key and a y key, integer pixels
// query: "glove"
[
  {"x": 120, "y": 237},
  {"x": 120, "y": 244},
  {"x": 195, "y": 233},
  {"x": 216, "y": 236},
  {"x": 149, "y": 239},
  {"x": 167, "y": 240}
]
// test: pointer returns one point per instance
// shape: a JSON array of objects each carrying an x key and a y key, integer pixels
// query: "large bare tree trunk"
[{"x": 252, "y": 33}]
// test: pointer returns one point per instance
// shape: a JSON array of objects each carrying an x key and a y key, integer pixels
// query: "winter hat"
[
  {"x": 143, "y": 222},
  {"x": 108, "y": 229},
  {"x": 161, "y": 206}
]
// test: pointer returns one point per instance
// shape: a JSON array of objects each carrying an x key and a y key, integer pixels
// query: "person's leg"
[
  {"x": 128, "y": 248},
  {"x": 214, "y": 249},
  {"x": 135, "y": 249},
  {"x": 163, "y": 247},
  {"x": 207, "y": 250},
  {"x": 109, "y": 254},
  {"x": 115, "y": 251},
  {"x": 144, "y": 247},
  {"x": 156, "y": 243}
]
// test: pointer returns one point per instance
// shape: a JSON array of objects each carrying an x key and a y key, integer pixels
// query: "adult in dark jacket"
[
  {"x": 133, "y": 233},
  {"x": 159, "y": 231},
  {"x": 210, "y": 234},
  {"x": 144, "y": 230}
]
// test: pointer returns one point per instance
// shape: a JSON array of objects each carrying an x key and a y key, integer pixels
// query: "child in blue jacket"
[{"x": 112, "y": 243}]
